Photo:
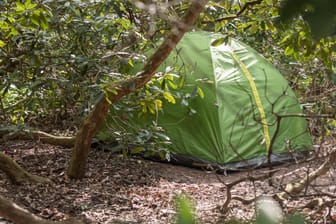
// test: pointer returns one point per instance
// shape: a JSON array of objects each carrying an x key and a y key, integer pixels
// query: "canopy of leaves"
[
  {"x": 57, "y": 56},
  {"x": 319, "y": 14}
]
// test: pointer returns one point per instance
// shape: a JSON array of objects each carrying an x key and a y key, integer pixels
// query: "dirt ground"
[{"x": 133, "y": 190}]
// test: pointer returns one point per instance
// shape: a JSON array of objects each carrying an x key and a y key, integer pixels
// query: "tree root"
[
  {"x": 14, "y": 171},
  {"x": 11, "y": 133},
  {"x": 16, "y": 174},
  {"x": 18, "y": 215}
]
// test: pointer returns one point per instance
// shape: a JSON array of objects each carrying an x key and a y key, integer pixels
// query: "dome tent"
[{"x": 244, "y": 115}]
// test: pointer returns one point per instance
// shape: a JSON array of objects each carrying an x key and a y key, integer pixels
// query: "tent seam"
[
  {"x": 256, "y": 96},
  {"x": 213, "y": 64}
]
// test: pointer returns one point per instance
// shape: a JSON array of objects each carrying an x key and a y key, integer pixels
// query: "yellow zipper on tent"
[{"x": 257, "y": 99}]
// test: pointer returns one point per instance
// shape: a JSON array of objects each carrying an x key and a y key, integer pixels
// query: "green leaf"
[
  {"x": 35, "y": 19},
  {"x": 13, "y": 32},
  {"x": 113, "y": 91},
  {"x": 43, "y": 22},
  {"x": 289, "y": 50},
  {"x": 200, "y": 92},
  {"x": 130, "y": 62},
  {"x": 152, "y": 108},
  {"x": 29, "y": 5},
  {"x": 158, "y": 104},
  {"x": 181, "y": 81},
  {"x": 107, "y": 99},
  {"x": 19, "y": 6},
  {"x": 2, "y": 44},
  {"x": 172, "y": 84},
  {"x": 254, "y": 28},
  {"x": 169, "y": 97},
  {"x": 136, "y": 150},
  {"x": 219, "y": 41},
  {"x": 169, "y": 76}
]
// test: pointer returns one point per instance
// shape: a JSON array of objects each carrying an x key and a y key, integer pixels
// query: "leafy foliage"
[
  {"x": 315, "y": 13},
  {"x": 185, "y": 213},
  {"x": 59, "y": 55}
]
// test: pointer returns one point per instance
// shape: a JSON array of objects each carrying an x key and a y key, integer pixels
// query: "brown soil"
[{"x": 117, "y": 190}]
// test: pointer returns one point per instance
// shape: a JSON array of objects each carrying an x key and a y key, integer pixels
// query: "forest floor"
[{"x": 133, "y": 190}]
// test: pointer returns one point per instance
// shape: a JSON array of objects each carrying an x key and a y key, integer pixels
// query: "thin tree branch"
[
  {"x": 229, "y": 187},
  {"x": 241, "y": 11}
]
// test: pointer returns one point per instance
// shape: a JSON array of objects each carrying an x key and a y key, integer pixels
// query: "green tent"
[{"x": 246, "y": 112}]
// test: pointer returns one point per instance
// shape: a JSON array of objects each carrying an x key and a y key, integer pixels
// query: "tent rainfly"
[{"x": 248, "y": 115}]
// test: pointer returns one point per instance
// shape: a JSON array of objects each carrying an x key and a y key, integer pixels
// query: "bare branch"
[
  {"x": 239, "y": 13},
  {"x": 296, "y": 188},
  {"x": 229, "y": 186}
]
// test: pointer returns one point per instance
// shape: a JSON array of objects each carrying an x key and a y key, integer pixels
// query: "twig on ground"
[{"x": 229, "y": 186}]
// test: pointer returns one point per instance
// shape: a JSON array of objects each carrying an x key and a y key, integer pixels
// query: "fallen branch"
[
  {"x": 296, "y": 188},
  {"x": 229, "y": 186},
  {"x": 18, "y": 215},
  {"x": 11, "y": 133},
  {"x": 290, "y": 189}
]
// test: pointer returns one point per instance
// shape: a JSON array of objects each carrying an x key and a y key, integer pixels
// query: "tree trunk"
[
  {"x": 18, "y": 215},
  {"x": 89, "y": 126},
  {"x": 16, "y": 173}
]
